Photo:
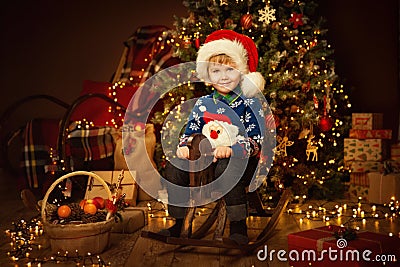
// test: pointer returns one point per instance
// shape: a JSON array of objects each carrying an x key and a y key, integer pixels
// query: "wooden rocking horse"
[{"x": 218, "y": 213}]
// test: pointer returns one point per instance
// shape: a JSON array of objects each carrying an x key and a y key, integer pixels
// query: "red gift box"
[
  {"x": 322, "y": 243},
  {"x": 370, "y": 134},
  {"x": 367, "y": 121}
]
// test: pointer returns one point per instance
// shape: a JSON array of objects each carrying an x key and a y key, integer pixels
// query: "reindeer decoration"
[{"x": 311, "y": 149}]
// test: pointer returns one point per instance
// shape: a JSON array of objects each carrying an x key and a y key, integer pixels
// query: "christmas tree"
[{"x": 310, "y": 106}]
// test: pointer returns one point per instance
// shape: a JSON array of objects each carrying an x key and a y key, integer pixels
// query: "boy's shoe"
[
  {"x": 238, "y": 232},
  {"x": 173, "y": 231}
]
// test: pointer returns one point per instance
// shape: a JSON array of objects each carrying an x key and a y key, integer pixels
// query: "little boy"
[{"x": 228, "y": 60}]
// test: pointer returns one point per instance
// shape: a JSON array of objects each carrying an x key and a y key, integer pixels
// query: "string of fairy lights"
[
  {"x": 27, "y": 245},
  {"x": 352, "y": 215}
]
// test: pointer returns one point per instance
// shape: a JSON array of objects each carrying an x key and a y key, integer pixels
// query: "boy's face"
[{"x": 224, "y": 78}]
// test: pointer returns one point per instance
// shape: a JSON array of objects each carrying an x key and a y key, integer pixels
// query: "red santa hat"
[
  {"x": 243, "y": 52},
  {"x": 207, "y": 117}
]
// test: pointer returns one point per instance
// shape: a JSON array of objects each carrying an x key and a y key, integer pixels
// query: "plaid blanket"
[
  {"x": 40, "y": 141},
  {"x": 39, "y": 151},
  {"x": 91, "y": 144},
  {"x": 148, "y": 51}
]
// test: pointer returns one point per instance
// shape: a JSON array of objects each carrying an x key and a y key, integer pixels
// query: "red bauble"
[
  {"x": 271, "y": 121},
  {"x": 246, "y": 21},
  {"x": 197, "y": 43},
  {"x": 325, "y": 123},
  {"x": 228, "y": 23}
]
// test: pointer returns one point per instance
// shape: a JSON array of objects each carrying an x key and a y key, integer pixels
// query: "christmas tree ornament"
[
  {"x": 200, "y": 4},
  {"x": 296, "y": 19},
  {"x": 294, "y": 109},
  {"x": 328, "y": 103},
  {"x": 315, "y": 100},
  {"x": 325, "y": 123},
  {"x": 306, "y": 87},
  {"x": 192, "y": 19},
  {"x": 229, "y": 24},
  {"x": 275, "y": 25},
  {"x": 246, "y": 21},
  {"x": 186, "y": 42},
  {"x": 311, "y": 149},
  {"x": 267, "y": 15},
  {"x": 304, "y": 133},
  {"x": 301, "y": 53},
  {"x": 223, "y": 3},
  {"x": 271, "y": 121},
  {"x": 197, "y": 42},
  {"x": 283, "y": 142}
]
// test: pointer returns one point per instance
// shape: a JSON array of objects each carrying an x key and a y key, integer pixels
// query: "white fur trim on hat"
[{"x": 252, "y": 83}]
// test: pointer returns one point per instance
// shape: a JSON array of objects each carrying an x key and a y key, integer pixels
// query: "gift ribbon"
[
  {"x": 380, "y": 188},
  {"x": 320, "y": 242}
]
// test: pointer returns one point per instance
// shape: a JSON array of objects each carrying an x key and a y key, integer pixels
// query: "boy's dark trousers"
[{"x": 235, "y": 199}]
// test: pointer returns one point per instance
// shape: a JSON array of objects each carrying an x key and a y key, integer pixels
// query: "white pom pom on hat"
[{"x": 243, "y": 52}]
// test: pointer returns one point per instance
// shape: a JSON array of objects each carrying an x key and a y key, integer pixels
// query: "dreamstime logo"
[
  {"x": 148, "y": 178},
  {"x": 331, "y": 254},
  {"x": 341, "y": 243}
]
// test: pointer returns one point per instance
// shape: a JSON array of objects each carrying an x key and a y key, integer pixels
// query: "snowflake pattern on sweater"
[{"x": 246, "y": 113}]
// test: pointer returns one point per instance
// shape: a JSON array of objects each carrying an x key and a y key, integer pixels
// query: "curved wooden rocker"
[{"x": 218, "y": 215}]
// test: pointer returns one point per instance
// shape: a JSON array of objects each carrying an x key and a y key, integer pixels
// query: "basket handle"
[{"x": 76, "y": 173}]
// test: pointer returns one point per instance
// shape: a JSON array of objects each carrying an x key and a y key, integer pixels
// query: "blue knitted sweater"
[{"x": 246, "y": 113}]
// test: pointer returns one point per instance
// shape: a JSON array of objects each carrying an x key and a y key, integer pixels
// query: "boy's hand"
[
  {"x": 183, "y": 152},
  {"x": 222, "y": 152}
]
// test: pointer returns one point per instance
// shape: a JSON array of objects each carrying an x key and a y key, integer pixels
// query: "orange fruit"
[
  {"x": 90, "y": 208},
  {"x": 64, "y": 211}
]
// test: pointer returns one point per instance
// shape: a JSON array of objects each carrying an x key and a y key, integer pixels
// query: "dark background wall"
[
  {"x": 51, "y": 47},
  {"x": 365, "y": 36}
]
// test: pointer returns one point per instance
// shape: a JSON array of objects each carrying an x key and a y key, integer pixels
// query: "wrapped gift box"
[
  {"x": 359, "y": 178},
  {"x": 370, "y": 134},
  {"x": 367, "y": 121},
  {"x": 355, "y": 192},
  {"x": 133, "y": 218},
  {"x": 383, "y": 187},
  {"x": 364, "y": 166},
  {"x": 365, "y": 149},
  {"x": 318, "y": 241},
  {"x": 395, "y": 152},
  {"x": 129, "y": 187}
]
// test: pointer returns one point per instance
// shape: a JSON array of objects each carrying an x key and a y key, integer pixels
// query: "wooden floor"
[
  {"x": 132, "y": 250},
  {"x": 147, "y": 252}
]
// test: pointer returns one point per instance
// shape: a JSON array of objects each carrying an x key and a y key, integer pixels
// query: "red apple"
[{"x": 99, "y": 202}]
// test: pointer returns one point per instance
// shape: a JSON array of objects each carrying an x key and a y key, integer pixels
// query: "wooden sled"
[{"x": 218, "y": 213}]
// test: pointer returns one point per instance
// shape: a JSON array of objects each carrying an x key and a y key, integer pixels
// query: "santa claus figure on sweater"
[{"x": 219, "y": 130}]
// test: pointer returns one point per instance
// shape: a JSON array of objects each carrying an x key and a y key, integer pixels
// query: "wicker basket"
[{"x": 84, "y": 238}]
